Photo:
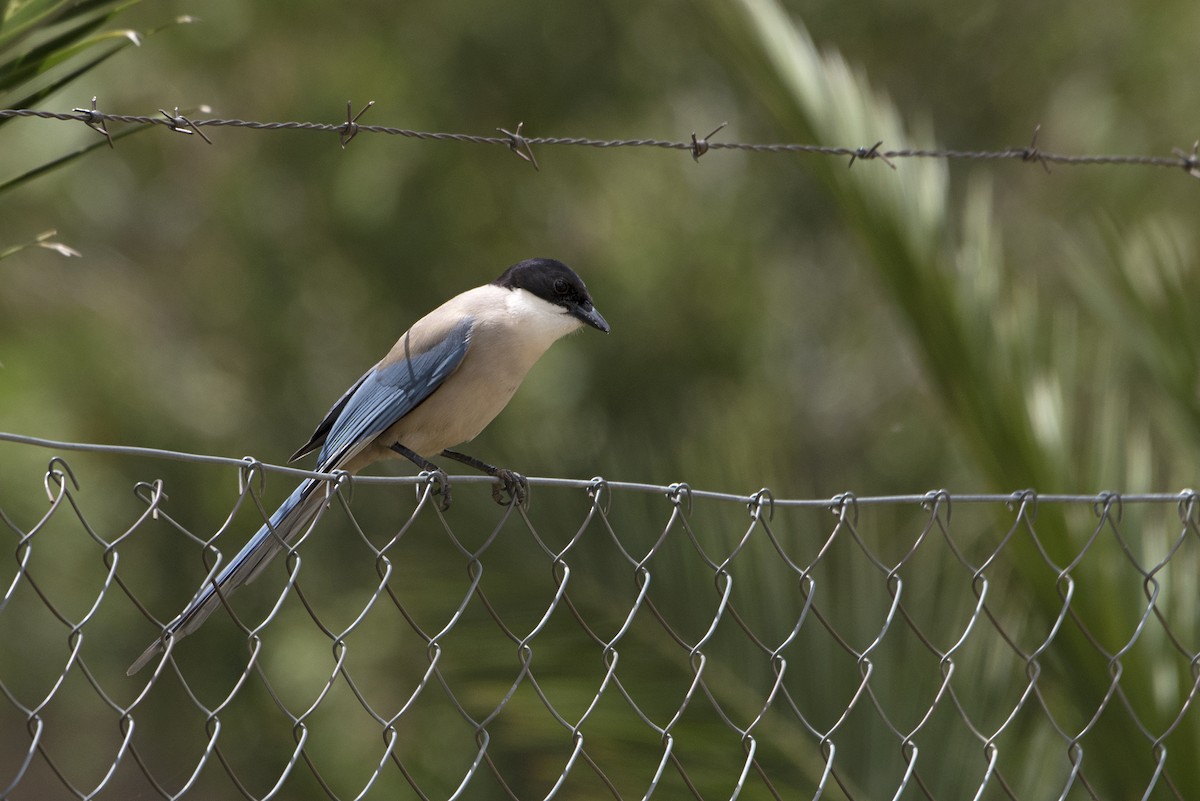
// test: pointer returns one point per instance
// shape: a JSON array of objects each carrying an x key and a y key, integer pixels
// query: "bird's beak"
[{"x": 588, "y": 314}]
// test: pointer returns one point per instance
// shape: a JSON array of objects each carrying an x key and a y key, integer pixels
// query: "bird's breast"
[{"x": 490, "y": 373}]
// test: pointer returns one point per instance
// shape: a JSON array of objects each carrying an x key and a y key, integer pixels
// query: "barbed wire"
[{"x": 522, "y": 145}]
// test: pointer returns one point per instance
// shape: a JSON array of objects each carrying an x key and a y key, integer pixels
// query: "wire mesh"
[{"x": 609, "y": 640}]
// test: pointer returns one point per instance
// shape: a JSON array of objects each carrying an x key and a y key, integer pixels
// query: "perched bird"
[{"x": 444, "y": 380}]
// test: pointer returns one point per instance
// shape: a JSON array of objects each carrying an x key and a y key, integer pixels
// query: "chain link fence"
[{"x": 610, "y": 640}]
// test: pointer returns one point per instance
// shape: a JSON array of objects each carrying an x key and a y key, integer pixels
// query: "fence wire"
[
  {"x": 522, "y": 145},
  {"x": 609, "y": 640}
]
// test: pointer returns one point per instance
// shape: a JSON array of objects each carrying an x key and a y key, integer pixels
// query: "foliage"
[
  {"x": 1017, "y": 375},
  {"x": 46, "y": 45}
]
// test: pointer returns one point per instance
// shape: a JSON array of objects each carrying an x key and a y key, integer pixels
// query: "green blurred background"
[{"x": 778, "y": 320}]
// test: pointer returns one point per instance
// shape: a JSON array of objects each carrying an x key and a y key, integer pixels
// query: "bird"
[{"x": 443, "y": 381}]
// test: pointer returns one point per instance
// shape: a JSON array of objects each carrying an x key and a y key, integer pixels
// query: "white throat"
[{"x": 540, "y": 322}]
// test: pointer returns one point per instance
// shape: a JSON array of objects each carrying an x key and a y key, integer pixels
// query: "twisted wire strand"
[{"x": 1188, "y": 160}]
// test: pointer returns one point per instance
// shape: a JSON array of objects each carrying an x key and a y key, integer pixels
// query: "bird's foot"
[
  {"x": 507, "y": 480},
  {"x": 439, "y": 484},
  {"x": 514, "y": 484}
]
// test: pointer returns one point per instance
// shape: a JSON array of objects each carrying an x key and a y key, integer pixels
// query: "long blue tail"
[{"x": 292, "y": 517}]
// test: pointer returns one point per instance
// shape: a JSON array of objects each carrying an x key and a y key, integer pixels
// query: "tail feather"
[{"x": 292, "y": 517}]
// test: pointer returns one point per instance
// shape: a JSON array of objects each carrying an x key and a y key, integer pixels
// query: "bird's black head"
[{"x": 554, "y": 282}]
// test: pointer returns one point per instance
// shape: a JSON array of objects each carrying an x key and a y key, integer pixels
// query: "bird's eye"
[{"x": 560, "y": 286}]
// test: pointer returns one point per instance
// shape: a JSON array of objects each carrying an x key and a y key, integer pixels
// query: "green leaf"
[
  {"x": 36, "y": 16},
  {"x": 21, "y": 68},
  {"x": 123, "y": 38},
  {"x": 33, "y": 98},
  {"x": 64, "y": 160}
]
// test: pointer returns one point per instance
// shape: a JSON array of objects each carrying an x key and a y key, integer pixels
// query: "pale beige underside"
[{"x": 512, "y": 330}]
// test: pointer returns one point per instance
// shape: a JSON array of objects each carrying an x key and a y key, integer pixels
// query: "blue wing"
[
  {"x": 384, "y": 395},
  {"x": 377, "y": 400}
]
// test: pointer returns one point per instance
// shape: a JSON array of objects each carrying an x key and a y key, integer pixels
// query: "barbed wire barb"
[
  {"x": 1190, "y": 161},
  {"x": 700, "y": 146},
  {"x": 1032, "y": 153},
  {"x": 181, "y": 124},
  {"x": 867, "y": 154},
  {"x": 520, "y": 145},
  {"x": 95, "y": 120},
  {"x": 350, "y": 129}
]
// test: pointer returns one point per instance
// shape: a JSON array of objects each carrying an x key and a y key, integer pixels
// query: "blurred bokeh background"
[{"x": 777, "y": 320}]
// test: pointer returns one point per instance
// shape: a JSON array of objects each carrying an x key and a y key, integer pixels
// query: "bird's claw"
[
  {"x": 514, "y": 484},
  {"x": 440, "y": 486}
]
